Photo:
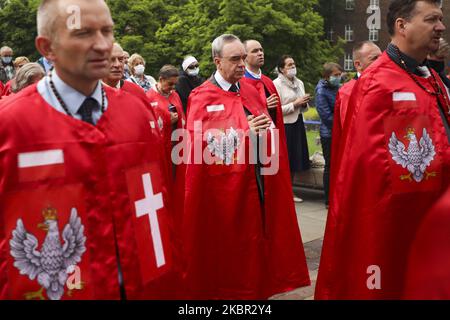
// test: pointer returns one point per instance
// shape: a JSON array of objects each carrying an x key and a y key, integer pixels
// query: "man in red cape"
[
  {"x": 254, "y": 76},
  {"x": 393, "y": 162},
  {"x": 115, "y": 80},
  {"x": 85, "y": 208},
  {"x": 115, "y": 77},
  {"x": 364, "y": 54},
  {"x": 240, "y": 232}
]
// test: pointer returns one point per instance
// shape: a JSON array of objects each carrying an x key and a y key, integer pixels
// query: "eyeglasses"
[
  {"x": 194, "y": 66},
  {"x": 236, "y": 59}
]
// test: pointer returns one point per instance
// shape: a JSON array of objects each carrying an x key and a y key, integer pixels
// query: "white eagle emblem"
[
  {"x": 51, "y": 264},
  {"x": 224, "y": 146},
  {"x": 417, "y": 157}
]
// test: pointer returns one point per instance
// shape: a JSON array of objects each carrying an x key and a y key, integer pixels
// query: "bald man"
[
  {"x": 253, "y": 75},
  {"x": 364, "y": 54},
  {"x": 85, "y": 197}
]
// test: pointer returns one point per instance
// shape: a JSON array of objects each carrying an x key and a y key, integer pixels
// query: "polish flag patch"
[
  {"x": 404, "y": 100},
  {"x": 40, "y": 165}
]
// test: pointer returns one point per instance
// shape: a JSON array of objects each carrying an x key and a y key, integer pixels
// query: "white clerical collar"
[
  {"x": 224, "y": 84},
  {"x": 73, "y": 98},
  {"x": 254, "y": 75}
]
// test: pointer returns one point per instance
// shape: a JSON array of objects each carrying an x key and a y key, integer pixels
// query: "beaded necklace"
[
  {"x": 435, "y": 83},
  {"x": 63, "y": 104}
]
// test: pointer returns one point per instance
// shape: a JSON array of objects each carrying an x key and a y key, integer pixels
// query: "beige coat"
[{"x": 289, "y": 91}]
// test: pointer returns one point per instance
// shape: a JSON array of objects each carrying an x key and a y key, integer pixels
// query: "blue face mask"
[
  {"x": 334, "y": 81},
  {"x": 7, "y": 60}
]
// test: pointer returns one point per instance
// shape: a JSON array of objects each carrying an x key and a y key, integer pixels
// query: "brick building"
[{"x": 359, "y": 20}]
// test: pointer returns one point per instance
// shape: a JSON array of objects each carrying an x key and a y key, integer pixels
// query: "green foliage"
[
  {"x": 311, "y": 114},
  {"x": 18, "y": 26},
  {"x": 164, "y": 31}
]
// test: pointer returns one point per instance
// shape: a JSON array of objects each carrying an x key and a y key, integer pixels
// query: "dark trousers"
[{"x": 326, "y": 148}]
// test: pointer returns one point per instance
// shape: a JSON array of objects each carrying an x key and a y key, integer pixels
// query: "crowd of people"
[{"x": 119, "y": 185}]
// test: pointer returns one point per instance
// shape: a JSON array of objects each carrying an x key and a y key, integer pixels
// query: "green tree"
[
  {"x": 282, "y": 26},
  {"x": 18, "y": 25},
  {"x": 164, "y": 31}
]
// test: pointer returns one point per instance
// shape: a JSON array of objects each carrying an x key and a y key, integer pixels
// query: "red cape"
[
  {"x": 427, "y": 276},
  {"x": 376, "y": 206},
  {"x": 162, "y": 103},
  {"x": 261, "y": 86},
  {"x": 267, "y": 84},
  {"x": 341, "y": 105},
  {"x": 7, "y": 89},
  {"x": 102, "y": 173},
  {"x": 234, "y": 248}
]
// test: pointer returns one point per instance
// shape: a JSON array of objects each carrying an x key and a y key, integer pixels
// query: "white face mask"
[
  {"x": 7, "y": 60},
  {"x": 193, "y": 72},
  {"x": 291, "y": 73},
  {"x": 139, "y": 70}
]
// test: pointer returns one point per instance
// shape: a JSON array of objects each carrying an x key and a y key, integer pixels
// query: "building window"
[
  {"x": 373, "y": 35},
  {"x": 348, "y": 62},
  {"x": 348, "y": 33},
  {"x": 349, "y": 4},
  {"x": 375, "y": 3},
  {"x": 330, "y": 36}
]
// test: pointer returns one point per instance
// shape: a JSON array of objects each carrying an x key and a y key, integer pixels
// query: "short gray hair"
[
  {"x": 4, "y": 49},
  {"x": 117, "y": 45},
  {"x": 219, "y": 43},
  {"x": 168, "y": 71},
  {"x": 26, "y": 75},
  {"x": 46, "y": 17}
]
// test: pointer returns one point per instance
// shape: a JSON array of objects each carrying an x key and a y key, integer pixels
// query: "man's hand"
[
  {"x": 173, "y": 118},
  {"x": 272, "y": 101},
  {"x": 261, "y": 122}
]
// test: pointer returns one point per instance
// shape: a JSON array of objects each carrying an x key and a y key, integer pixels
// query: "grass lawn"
[{"x": 312, "y": 145}]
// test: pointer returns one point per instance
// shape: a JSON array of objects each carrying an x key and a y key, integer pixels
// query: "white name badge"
[{"x": 215, "y": 108}]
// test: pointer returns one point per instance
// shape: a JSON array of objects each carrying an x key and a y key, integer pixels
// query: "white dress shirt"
[{"x": 224, "y": 84}]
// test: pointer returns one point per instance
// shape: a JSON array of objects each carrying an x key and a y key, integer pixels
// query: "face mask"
[
  {"x": 193, "y": 72},
  {"x": 6, "y": 60},
  {"x": 139, "y": 70},
  {"x": 291, "y": 73},
  {"x": 334, "y": 81}
]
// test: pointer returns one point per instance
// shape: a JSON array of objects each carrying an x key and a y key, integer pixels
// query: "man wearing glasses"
[{"x": 235, "y": 248}]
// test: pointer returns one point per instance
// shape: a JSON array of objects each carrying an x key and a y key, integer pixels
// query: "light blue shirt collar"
[
  {"x": 71, "y": 97},
  {"x": 254, "y": 75},
  {"x": 47, "y": 64}
]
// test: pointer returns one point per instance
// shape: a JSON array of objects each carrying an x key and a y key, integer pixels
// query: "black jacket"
[{"x": 185, "y": 85}]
